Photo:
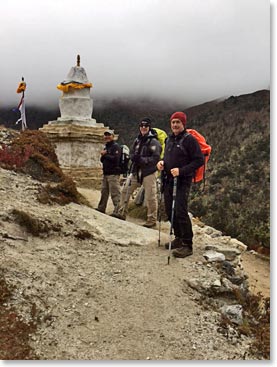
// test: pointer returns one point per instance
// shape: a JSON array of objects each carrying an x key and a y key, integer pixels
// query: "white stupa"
[
  {"x": 77, "y": 137},
  {"x": 76, "y": 104}
]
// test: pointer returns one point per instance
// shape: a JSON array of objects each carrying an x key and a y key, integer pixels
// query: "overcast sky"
[{"x": 191, "y": 51}]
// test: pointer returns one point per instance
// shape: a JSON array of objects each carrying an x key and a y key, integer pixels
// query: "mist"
[{"x": 186, "y": 51}]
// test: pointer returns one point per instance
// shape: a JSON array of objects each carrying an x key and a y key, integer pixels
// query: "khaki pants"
[
  {"x": 110, "y": 185},
  {"x": 150, "y": 187}
]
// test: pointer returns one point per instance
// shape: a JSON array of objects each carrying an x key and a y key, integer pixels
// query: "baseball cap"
[{"x": 109, "y": 132}]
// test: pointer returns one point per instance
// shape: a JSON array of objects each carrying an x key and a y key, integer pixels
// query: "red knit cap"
[{"x": 181, "y": 116}]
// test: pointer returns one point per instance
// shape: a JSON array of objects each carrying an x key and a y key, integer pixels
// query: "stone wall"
[{"x": 78, "y": 149}]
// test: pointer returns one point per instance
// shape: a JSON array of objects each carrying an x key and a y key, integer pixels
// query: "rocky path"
[
  {"x": 257, "y": 267},
  {"x": 101, "y": 289}
]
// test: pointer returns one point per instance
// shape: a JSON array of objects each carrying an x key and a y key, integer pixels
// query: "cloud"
[{"x": 190, "y": 51}]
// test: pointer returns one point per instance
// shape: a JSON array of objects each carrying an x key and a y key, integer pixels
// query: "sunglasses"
[{"x": 144, "y": 125}]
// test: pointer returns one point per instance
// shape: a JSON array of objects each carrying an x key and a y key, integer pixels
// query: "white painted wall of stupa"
[{"x": 77, "y": 105}]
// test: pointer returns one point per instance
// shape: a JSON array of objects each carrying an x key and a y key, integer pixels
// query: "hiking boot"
[
  {"x": 176, "y": 243},
  {"x": 118, "y": 216},
  {"x": 101, "y": 211},
  {"x": 182, "y": 252},
  {"x": 149, "y": 224}
]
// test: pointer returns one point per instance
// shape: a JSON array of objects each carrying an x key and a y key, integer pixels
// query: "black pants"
[{"x": 181, "y": 221}]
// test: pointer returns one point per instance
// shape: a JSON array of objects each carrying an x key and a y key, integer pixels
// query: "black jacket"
[
  {"x": 187, "y": 158},
  {"x": 111, "y": 159},
  {"x": 145, "y": 154}
]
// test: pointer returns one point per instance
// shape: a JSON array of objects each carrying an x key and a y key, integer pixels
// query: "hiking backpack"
[
  {"x": 206, "y": 149},
  {"x": 161, "y": 136},
  {"x": 124, "y": 160}
]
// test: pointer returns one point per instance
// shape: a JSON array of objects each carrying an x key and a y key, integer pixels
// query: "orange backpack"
[{"x": 206, "y": 151}]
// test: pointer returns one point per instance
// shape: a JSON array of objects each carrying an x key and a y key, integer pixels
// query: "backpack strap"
[
  {"x": 186, "y": 134},
  {"x": 204, "y": 174}
]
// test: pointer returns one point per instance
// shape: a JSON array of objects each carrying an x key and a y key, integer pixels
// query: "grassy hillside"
[{"x": 237, "y": 196}]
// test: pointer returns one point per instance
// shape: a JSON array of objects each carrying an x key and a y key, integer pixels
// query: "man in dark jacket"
[
  {"x": 110, "y": 158},
  {"x": 182, "y": 157},
  {"x": 145, "y": 155}
]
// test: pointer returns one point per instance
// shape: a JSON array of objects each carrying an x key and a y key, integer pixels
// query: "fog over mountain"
[{"x": 189, "y": 51}]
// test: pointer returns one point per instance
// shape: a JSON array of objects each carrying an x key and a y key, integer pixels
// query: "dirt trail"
[
  {"x": 258, "y": 270},
  {"x": 96, "y": 293},
  {"x": 256, "y": 266}
]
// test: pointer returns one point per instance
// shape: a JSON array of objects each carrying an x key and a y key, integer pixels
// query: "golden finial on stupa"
[{"x": 78, "y": 60}]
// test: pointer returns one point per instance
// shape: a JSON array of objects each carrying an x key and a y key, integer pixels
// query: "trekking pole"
[
  {"x": 122, "y": 210},
  {"x": 128, "y": 183},
  {"x": 159, "y": 210},
  {"x": 172, "y": 216}
]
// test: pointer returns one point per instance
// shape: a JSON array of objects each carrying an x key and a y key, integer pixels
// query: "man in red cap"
[{"x": 181, "y": 158}]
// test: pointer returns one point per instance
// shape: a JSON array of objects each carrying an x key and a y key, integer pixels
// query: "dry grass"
[
  {"x": 62, "y": 193},
  {"x": 256, "y": 321},
  {"x": 33, "y": 225},
  {"x": 31, "y": 152},
  {"x": 14, "y": 332}
]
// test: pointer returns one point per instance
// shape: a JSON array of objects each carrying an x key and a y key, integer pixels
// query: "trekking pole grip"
[{"x": 174, "y": 188}]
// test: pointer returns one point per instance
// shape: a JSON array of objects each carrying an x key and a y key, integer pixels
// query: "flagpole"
[
  {"x": 21, "y": 89},
  {"x": 23, "y": 115}
]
